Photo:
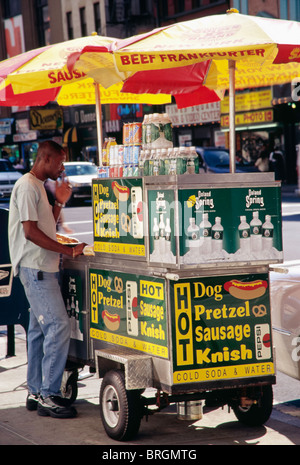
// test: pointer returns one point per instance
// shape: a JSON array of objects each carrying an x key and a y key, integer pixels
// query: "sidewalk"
[{"x": 18, "y": 426}]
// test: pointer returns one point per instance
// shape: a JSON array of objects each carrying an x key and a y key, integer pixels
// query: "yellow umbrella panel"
[
  {"x": 245, "y": 51},
  {"x": 83, "y": 92}
]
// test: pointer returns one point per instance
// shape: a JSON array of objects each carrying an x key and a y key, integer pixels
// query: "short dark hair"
[{"x": 49, "y": 146}]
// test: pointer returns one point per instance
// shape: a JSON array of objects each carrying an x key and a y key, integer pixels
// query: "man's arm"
[{"x": 35, "y": 235}]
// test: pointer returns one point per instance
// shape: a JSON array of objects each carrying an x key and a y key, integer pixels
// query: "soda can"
[
  {"x": 119, "y": 171},
  {"x": 126, "y": 133},
  {"x": 136, "y": 133},
  {"x": 135, "y": 170},
  {"x": 101, "y": 172},
  {"x": 136, "y": 150},
  {"x": 131, "y": 155},
  {"x": 120, "y": 155},
  {"x": 129, "y": 170},
  {"x": 126, "y": 154}
]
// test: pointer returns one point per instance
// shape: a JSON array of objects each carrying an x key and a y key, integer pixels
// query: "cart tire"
[
  {"x": 120, "y": 409},
  {"x": 259, "y": 413},
  {"x": 70, "y": 395}
]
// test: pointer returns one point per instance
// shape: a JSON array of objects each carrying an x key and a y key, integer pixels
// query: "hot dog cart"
[{"x": 176, "y": 296}]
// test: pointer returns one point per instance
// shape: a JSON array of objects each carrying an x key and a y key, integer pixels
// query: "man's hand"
[{"x": 63, "y": 189}]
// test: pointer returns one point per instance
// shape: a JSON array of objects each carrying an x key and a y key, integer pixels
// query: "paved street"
[{"x": 217, "y": 427}]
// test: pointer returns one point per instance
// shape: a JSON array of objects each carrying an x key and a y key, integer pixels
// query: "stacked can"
[
  {"x": 116, "y": 161},
  {"x": 132, "y": 140}
]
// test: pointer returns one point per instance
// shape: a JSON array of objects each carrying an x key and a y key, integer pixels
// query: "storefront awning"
[{"x": 70, "y": 136}]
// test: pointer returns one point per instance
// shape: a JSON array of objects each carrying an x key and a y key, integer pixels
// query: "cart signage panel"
[
  {"x": 129, "y": 310},
  {"x": 118, "y": 216},
  {"x": 221, "y": 328},
  {"x": 231, "y": 225}
]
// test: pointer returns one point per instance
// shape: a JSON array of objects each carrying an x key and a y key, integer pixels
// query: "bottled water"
[
  {"x": 217, "y": 235},
  {"x": 267, "y": 233},
  {"x": 256, "y": 233},
  {"x": 244, "y": 234},
  {"x": 205, "y": 234},
  {"x": 193, "y": 234},
  {"x": 163, "y": 157}
]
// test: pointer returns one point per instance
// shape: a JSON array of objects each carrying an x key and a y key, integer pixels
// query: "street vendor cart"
[{"x": 176, "y": 296}]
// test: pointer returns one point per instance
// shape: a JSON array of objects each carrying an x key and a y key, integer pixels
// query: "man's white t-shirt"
[{"x": 29, "y": 202}]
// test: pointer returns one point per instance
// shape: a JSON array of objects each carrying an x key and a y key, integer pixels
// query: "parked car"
[
  {"x": 80, "y": 175},
  {"x": 285, "y": 309},
  {"x": 8, "y": 177},
  {"x": 216, "y": 160}
]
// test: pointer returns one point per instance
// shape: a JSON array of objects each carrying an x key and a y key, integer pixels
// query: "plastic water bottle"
[
  {"x": 217, "y": 232},
  {"x": 167, "y": 162},
  {"x": 256, "y": 233},
  {"x": 144, "y": 131},
  {"x": 193, "y": 234},
  {"x": 156, "y": 162},
  {"x": 205, "y": 234},
  {"x": 163, "y": 157},
  {"x": 267, "y": 233},
  {"x": 192, "y": 161},
  {"x": 244, "y": 234}
]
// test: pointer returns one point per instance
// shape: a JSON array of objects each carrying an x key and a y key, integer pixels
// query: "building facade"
[{"x": 27, "y": 24}]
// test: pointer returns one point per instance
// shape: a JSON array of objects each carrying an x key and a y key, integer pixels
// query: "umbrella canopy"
[
  {"x": 45, "y": 74},
  {"x": 186, "y": 85},
  {"x": 244, "y": 51}
]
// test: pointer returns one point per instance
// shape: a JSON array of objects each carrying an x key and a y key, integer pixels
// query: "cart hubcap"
[{"x": 110, "y": 406}]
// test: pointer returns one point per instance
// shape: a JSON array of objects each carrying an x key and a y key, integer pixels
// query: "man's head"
[{"x": 50, "y": 160}]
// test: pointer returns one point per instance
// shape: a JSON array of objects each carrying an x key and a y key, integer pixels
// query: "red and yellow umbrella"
[
  {"x": 244, "y": 51},
  {"x": 45, "y": 74}
]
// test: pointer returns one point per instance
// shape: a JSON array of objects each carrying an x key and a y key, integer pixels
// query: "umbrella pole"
[
  {"x": 231, "y": 65},
  {"x": 98, "y": 122}
]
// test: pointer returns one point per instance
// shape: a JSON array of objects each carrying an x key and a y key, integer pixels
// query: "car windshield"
[
  {"x": 80, "y": 170},
  {"x": 216, "y": 158},
  {"x": 6, "y": 166}
]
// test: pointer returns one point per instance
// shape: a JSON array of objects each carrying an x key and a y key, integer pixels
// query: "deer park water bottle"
[
  {"x": 244, "y": 235},
  {"x": 205, "y": 234},
  {"x": 256, "y": 233},
  {"x": 217, "y": 235},
  {"x": 267, "y": 233}
]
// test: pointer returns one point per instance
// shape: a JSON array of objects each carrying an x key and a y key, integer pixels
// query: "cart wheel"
[
  {"x": 120, "y": 409},
  {"x": 70, "y": 392},
  {"x": 256, "y": 414}
]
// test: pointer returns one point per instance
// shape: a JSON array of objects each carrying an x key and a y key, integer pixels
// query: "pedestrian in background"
[
  {"x": 262, "y": 163},
  {"x": 277, "y": 163}
]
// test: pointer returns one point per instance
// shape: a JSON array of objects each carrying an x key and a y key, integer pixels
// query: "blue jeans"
[{"x": 48, "y": 333}]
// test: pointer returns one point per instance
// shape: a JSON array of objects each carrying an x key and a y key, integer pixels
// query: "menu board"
[
  {"x": 118, "y": 216},
  {"x": 221, "y": 328}
]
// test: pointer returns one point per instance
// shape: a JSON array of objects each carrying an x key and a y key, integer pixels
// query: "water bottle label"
[
  {"x": 168, "y": 131},
  {"x": 217, "y": 235},
  {"x": 205, "y": 232},
  {"x": 255, "y": 230},
  {"x": 193, "y": 235},
  {"x": 244, "y": 233},
  {"x": 268, "y": 232}
]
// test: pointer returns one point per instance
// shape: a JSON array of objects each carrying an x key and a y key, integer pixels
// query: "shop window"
[
  {"x": 97, "y": 17},
  {"x": 70, "y": 25},
  {"x": 83, "y": 21}
]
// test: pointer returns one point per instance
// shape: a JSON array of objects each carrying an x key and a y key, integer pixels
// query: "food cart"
[{"x": 176, "y": 296}]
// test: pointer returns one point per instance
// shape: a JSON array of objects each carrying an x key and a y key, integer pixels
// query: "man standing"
[{"x": 35, "y": 255}]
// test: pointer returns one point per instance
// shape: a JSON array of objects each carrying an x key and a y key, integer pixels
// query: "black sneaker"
[
  {"x": 50, "y": 406},
  {"x": 32, "y": 402}
]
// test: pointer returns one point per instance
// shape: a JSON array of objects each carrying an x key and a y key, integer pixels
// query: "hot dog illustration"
[
  {"x": 111, "y": 320},
  {"x": 246, "y": 290},
  {"x": 121, "y": 192}
]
